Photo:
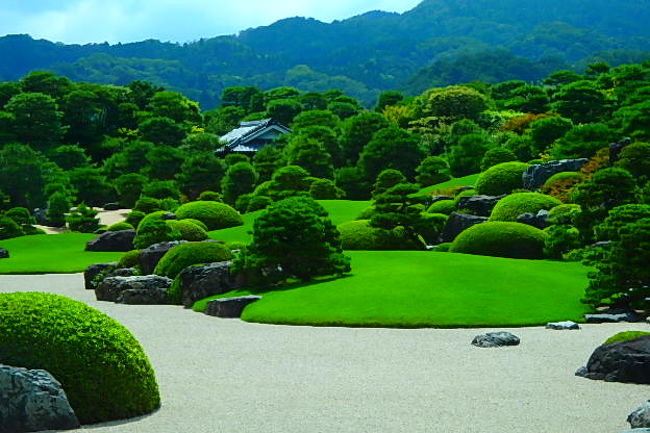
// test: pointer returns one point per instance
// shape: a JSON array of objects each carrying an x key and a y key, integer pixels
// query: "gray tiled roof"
[{"x": 236, "y": 139}]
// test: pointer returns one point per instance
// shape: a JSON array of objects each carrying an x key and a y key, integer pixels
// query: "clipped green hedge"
[
  {"x": 215, "y": 215},
  {"x": 501, "y": 239},
  {"x": 510, "y": 207},
  {"x": 117, "y": 227},
  {"x": 625, "y": 336},
  {"x": 191, "y": 253},
  {"x": 501, "y": 178},
  {"x": 564, "y": 175},
  {"x": 360, "y": 235},
  {"x": 442, "y": 206},
  {"x": 101, "y": 366},
  {"x": 188, "y": 230}
]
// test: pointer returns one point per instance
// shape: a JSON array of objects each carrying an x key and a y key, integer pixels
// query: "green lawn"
[
  {"x": 56, "y": 254},
  {"x": 459, "y": 181},
  {"x": 340, "y": 211},
  {"x": 426, "y": 289}
]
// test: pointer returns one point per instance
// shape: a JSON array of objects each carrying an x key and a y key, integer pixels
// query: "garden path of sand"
[{"x": 219, "y": 375}]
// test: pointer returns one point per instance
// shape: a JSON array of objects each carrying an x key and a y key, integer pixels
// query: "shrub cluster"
[
  {"x": 191, "y": 253},
  {"x": 501, "y": 239},
  {"x": 501, "y": 178},
  {"x": 510, "y": 207},
  {"x": 360, "y": 235},
  {"x": 215, "y": 215}
]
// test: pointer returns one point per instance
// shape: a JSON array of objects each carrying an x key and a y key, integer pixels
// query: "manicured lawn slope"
[
  {"x": 424, "y": 289},
  {"x": 44, "y": 254},
  {"x": 459, "y": 181},
  {"x": 340, "y": 211}
]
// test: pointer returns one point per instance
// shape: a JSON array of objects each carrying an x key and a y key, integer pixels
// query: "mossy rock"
[
  {"x": 502, "y": 178},
  {"x": 188, "y": 230},
  {"x": 442, "y": 206},
  {"x": 215, "y": 215},
  {"x": 101, "y": 366},
  {"x": 501, "y": 239},
  {"x": 510, "y": 207},
  {"x": 191, "y": 253},
  {"x": 360, "y": 235},
  {"x": 625, "y": 336},
  {"x": 197, "y": 222},
  {"x": 117, "y": 227}
]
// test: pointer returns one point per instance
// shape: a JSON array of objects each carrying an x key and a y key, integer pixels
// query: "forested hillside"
[{"x": 439, "y": 42}]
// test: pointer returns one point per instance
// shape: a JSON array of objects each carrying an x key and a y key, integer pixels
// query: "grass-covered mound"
[
  {"x": 360, "y": 235},
  {"x": 424, "y": 289},
  {"x": 469, "y": 180},
  {"x": 215, "y": 215},
  {"x": 501, "y": 178},
  {"x": 625, "y": 336},
  {"x": 191, "y": 253},
  {"x": 51, "y": 254},
  {"x": 510, "y": 207},
  {"x": 122, "y": 225},
  {"x": 501, "y": 239},
  {"x": 564, "y": 176},
  {"x": 188, "y": 230},
  {"x": 442, "y": 206},
  {"x": 102, "y": 367}
]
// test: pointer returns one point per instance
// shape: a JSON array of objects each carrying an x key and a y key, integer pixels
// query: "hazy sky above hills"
[{"x": 83, "y": 21}]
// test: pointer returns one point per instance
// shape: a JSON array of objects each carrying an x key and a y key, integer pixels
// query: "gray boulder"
[
  {"x": 4, "y": 254},
  {"x": 481, "y": 205},
  {"x": 112, "y": 206},
  {"x": 640, "y": 418},
  {"x": 613, "y": 317},
  {"x": 457, "y": 223},
  {"x": 496, "y": 339},
  {"x": 150, "y": 256},
  {"x": 120, "y": 241},
  {"x": 625, "y": 361},
  {"x": 33, "y": 400},
  {"x": 562, "y": 326},
  {"x": 539, "y": 220},
  {"x": 93, "y": 270},
  {"x": 123, "y": 272},
  {"x": 137, "y": 290},
  {"x": 537, "y": 174},
  {"x": 436, "y": 198},
  {"x": 230, "y": 307},
  {"x": 199, "y": 282},
  {"x": 169, "y": 216}
]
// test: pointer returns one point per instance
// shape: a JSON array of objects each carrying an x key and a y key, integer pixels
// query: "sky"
[{"x": 85, "y": 21}]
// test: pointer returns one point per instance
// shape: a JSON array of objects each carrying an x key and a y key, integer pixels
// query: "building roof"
[{"x": 237, "y": 139}]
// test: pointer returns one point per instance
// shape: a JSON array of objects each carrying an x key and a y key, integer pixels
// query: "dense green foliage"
[
  {"x": 501, "y": 239},
  {"x": 360, "y": 235},
  {"x": 191, "y": 253},
  {"x": 501, "y": 178},
  {"x": 510, "y": 207},
  {"x": 215, "y": 215},
  {"x": 101, "y": 366}
]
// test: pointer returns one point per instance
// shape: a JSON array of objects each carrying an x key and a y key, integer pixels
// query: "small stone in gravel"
[
  {"x": 562, "y": 326},
  {"x": 230, "y": 307},
  {"x": 640, "y": 418},
  {"x": 496, "y": 339}
]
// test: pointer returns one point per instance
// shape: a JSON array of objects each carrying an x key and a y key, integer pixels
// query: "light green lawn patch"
[
  {"x": 51, "y": 254},
  {"x": 625, "y": 336},
  {"x": 424, "y": 289},
  {"x": 340, "y": 211},
  {"x": 459, "y": 181}
]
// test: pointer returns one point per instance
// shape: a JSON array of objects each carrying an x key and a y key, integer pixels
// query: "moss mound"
[
  {"x": 360, "y": 235},
  {"x": 130, "y": 259},
  {"x": 215, "y": 215},
  {"x": 188, "y": 230},
  {"x": 501, "y": 178},
  {"x": 120, "y": 226},
  {"x": 510, "y": 207},
  {"x": 102, "y": 367},
  {"x": 148, "y": 218},
  {"x": 191, "y": 253},
  {"x": 625, "y": 336},
  {"x": 197, "y": 222},
  {"x": 442, "y": 206},
  {"x": 501, "y": 239}
]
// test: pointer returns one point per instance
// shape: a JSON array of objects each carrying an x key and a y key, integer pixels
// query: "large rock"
[
  {"x": 625, "y": 361},
  {"x": 4, "y": 254},
  {"x": 93, "y": 270},
  {"x": 480, "y": 205},
  {"x": 640, "y": 418},
  {"x": 199, "y": 282},
  {"x": 616, "y": 148},
  {"x": 496, "y": 339},
  {"x": 230, "y": 307},
  {"x": 539, "y": 220},
  {"x": 613, "y": 317},
  {"x": 138, "y": 290},
  {"x": 150, "y": 256},
  {"x": 33, "y": 400},
  {"x": 457, "y": 223},
  {"x": 537, "y": 174},
  {"x": 120, "y": 241},
  {"x": 563, "y": 326}
]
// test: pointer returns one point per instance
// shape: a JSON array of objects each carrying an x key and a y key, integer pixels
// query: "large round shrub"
[
  {"x": 188, "y": 230},
  {"x": 214, "y": 214},
  {"x": 442, "y": 206},
  {"x": 191, "y": 253},
  {"x": 501, "y": 239},
  {"x": 119, "y": 226},
  {"x": 501, "y": 178},
  {"x": 510, "y": 207},
  {"x": 360, "y": 235},
  {"x": 147, "y": 218},
  {"x": 101, "y": 366}
]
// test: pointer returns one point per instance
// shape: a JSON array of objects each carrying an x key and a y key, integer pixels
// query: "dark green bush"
[
  {"x": 122, "y": 225},
  {"x": 259, "y": 202},
  {"x": 215, "y": 215},
  {"x": 563, "y": 214},
  {"x": 443, "y": 247},
  {"x": 211, "y": 196},
  {"x": 188, "y": 230},
  {"x": 501, "y": 239},
  {"x": 501, "y": 178},
  {"x": 635, "y": 158},
  {"x": 560, "y": 239},
  {"x": 430, "y": 226},
  {"x": 9, "y": 228},
  {"x": 191, "y": 253},
  {"x": 147, "y": 205},
  {"x": 442, "y": 206},
  {"x": 367, "y": 213},
  {"x": 609, "y": 229},
  {"x": 130, "y": 259},
  {"x": 510, "y": 207},
  {"x": 325, "y": 189},
  {"x": 161, "y": 189},
  {"x": 564, "y": 175},
  {"x": 83, "y": 219},
  {"x": 360, "y": 235},
  {"x": 152, "y": 231},
  {"x": 625, "y": 336},
  {"x": 497, "y": 155},
  {"x": 101, "y": 366},
  {"x": 197, "y": 222},
  {"x": 134, "y": 218},
  {"x": 20, "y": 214}
]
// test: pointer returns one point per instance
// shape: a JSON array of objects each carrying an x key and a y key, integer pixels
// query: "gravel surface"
[{"x": 224, "y": 375}]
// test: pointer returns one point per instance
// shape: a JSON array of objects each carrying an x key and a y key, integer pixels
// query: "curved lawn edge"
[{"x": 413, "y": 289}]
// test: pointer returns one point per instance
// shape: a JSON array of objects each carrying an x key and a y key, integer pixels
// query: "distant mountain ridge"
[{"x": 438, "y": 42}]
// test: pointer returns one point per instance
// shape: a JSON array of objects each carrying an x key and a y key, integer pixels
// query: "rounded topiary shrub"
[
  {"x": 510, "y": 207},
  {"x": 101, "y": 366},
  {"x": 153, "y": 231},
  {"x": 197, "y": 222},
  {"x": 130, "y": 259},
  {"x": 442, "y": 206},
  {"x": 430, "y": 226},
  {"x": 188, "y": 230},
  {"x": 191, "y": 253},
  {"x": 134, "y": 217},
  {"x": 153, "y": 216},
  {"x": 117, "y": 227},
  {"x": 360, "y": 235},
  {"x": 215, "y": 215},
  {"x": 9, "y": 228},
  {"x": 501, "y": 178},
  {"x": 564, "y": 176},
  {"x": 501, "y": 239}
]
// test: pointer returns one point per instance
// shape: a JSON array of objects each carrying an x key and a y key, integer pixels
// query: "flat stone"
[
  {"x": 150, "y": 256},
  {"x": 141, "y": 290},
  {"x": 496, "y": 339},
  {"x": 613, "y": 317},
  {"x": 457, "y": 223},
  {"x": 480, "y": 205},
  {"x": 120, "y": 241},
  {"x": 562, "y": 326},
  {"x": 230, "y": 307},
  {"x": 640, "y": 418}
]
